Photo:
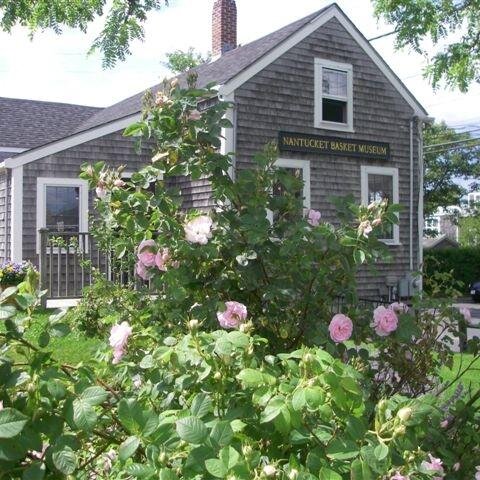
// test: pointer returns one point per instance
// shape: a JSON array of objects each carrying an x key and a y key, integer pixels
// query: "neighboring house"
[
  {"x": 441, "y": 241},
  {"x": 443, "y": 223},
  {"x": 344, "y": 122}
]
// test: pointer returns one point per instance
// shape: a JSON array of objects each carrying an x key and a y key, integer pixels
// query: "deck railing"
[{"x": 68, "y": 262}]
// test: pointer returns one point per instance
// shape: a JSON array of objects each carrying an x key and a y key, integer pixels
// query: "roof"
[
  {"x": 30, "y": 123},
  {"x": 228, "y": 72},
  {"x": 226, "y": 67},
  {"x": 442, "y": 241}
]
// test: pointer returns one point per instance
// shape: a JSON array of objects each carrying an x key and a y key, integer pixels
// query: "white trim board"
[
  {"x": 71, "y": 141},
  {"x": 16, "y": 227},
  {"x": 332, "y": 12},
  {"x": 12, "y": 149},
  {"x": 43, "y": 182}
]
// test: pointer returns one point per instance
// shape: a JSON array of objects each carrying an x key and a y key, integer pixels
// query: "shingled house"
[{"x": 342, "y": 118}]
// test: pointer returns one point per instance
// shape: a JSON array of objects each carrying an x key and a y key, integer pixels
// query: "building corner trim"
[{"x": 16, "y": 227}]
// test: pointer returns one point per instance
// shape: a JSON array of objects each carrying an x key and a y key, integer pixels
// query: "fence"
[{"x": 68, "y": 262}]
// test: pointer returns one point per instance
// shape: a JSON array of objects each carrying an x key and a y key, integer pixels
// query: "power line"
[
  {"x": 382, "y": 36},
  {"x": 453, "y": 147},
  {"x": 451, "y": 143}
]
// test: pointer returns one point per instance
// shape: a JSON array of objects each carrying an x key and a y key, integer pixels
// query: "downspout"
[
  {"x": 412, "y": 121},
  {"x": 420, "y": 202}
]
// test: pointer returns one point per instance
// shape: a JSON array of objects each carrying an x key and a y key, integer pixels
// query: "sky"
[{"x": 56, "y": 67}]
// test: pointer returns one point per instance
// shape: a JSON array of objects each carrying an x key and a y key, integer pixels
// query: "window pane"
[
  {"x": 334, "y": 110},
  {"x": 334, "y": 82},
  {"x": 62, "y": 208},
  {"x": 380, "y": 187},
  {"x": 279, "y": 190}
]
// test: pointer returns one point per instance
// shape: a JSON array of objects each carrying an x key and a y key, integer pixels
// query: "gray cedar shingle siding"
[
  {"x": 281, "y": 97},
  {"x": 114, "y": 149}
]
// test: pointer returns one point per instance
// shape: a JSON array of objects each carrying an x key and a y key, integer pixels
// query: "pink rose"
[
  {"x": 118, "y": 340},
  {"x": 101, "y": 191},
  {"x": 340, "y": 328},
  {"x": 314, "y": 217},
  {"x": 233, "y": 316},
  {"x": 434, "y": 465},
  {"x": 198, "y": 230},
  {"x": 397, "y": 476},
  {"x": 399, "y": 307},
  {"x": 385, "y": 321},
  {"x": 142, "y": 271},
  {"x": 467, "y": 314},
  {"x": 444, "y": 423},
  {"x": 194, "y": 115},
  {"x": 161, "y": 259},
  {"x": 119, "y": 183},
  {"x": 146, "y": 252}
]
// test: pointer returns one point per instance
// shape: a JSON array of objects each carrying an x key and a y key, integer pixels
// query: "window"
[
  {"x": 379, "y": 183},
  {"x": 333, "y": 95},
  {"x": 62, "y": 205},
  {"x": 299, "y": 169}
]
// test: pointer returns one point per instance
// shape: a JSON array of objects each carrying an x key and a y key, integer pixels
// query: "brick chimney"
[{"x": 224, "y": 27}]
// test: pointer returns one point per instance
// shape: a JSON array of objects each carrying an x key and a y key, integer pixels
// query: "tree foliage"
[
  {"x": 445, "y": 165},
  {"x": 124, "y": 20},
  {"x": 452, "y": 27},
  {"x": 181, "y": 61},
  {"x": 469, "y": 231}
]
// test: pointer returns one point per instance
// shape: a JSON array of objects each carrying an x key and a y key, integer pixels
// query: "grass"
[
  {"x": 72, "y": 349},
  {"x": 471, "y": 379},
  {"x": 76, "y": 347}
]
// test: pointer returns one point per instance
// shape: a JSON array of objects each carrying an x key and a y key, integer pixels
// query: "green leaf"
[
  {"x": 327, "y": 474},
  {"x": 128, "y": 448},
  {"x": 216, "y": 468},
  {"x": 298, "y": 399},
  {"x": 84, "y": 416},
  {"x": 36, "y": 471},
  {"x": 146, "y": 362},
  {"x": 139, "y": 470},
  {"x": 359, "y": 256},
  {"x": 201, "y": 405},
  {"x": 222, "y": 434},
  {"x": 11, "y": 422},
  {"x": 7, "y": 311},
  {"x": 380, "y": 452},
  {"x": 229, "y": 457},
  {"x": 272, "y": 410},
  {"x": 43, "y": 339},
  {"x": 94, "y": 395},
  {"x": 251, "y": 377},
  {"x": 360, "y": 470},
  {"x": 130, "y": 414},
  {"x": 60, "y": 330},
  {"x": 315, "y": 397},
  {"x": 65, "y": 460},
  {"x": 341, "y": 449},
  {"x": 192, "y": 430},
  {"x": 167, "y": 474}
]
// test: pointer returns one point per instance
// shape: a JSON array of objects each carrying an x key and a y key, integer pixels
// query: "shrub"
[
  {"x": 105, "y": 303},
  {"x": 462, "y": 262},
  {"x": 214, "y": 405},
  {"x": 13, "y": 273}
]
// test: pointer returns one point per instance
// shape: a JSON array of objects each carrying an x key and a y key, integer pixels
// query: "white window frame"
[
  {"x": 320, "y": 64},
  {"x": 304, "y": 165},
  {"x": 390, "y": 171},
  {"x": 43, "y": 183}
]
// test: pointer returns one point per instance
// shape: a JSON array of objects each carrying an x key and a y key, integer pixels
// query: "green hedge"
[{"x": 464, "y": 262}]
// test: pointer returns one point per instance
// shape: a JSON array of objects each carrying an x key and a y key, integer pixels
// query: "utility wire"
[
  {"x": 382, "y": 36},
  {"x": 452, "y": 143},
  {"x": 454, "y": 147}
]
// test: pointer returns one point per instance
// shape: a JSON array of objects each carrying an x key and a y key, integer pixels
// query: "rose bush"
[
  {"x": 299, "y": 382},
  {"x": 211, "y": 405}
]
